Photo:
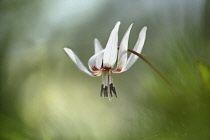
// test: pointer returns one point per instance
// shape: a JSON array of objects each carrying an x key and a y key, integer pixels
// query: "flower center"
[{"x": 107, "y": 87}]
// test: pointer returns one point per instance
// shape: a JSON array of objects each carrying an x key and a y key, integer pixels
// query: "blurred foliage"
[
  {"x": 43, "y": 96},
  {"x": 204, "y": 70}
]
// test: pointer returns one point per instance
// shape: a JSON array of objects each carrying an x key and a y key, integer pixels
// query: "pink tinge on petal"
[
  {"x": 95, "y": 62},
  {"x": 107, "y": 68},
  {"x": 117, "y": 70},
  {"x": 93, "y": 68},
  {"x": 97, "y": 73}
]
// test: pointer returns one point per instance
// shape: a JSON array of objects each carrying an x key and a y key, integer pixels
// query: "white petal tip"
[
  {"x": 96, "y": 40},
  {"x": 144, "y": 28},
  {"x": 118, "y": 23},
  {"x": 66, "y": 49},
  {"x": 143, "y": 32},
  {"x": 130, "y": 26}
]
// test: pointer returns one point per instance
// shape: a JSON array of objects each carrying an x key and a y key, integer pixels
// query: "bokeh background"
[{"x": 43, "y": 95}]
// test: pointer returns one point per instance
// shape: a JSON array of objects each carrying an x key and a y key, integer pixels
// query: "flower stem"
[{"x": 149, "y": 63}]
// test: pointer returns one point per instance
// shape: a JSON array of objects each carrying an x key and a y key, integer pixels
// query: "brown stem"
[{"x": 149, "y": 63}]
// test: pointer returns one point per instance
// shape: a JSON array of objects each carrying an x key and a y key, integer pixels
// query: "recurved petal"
[
  {"x": 110, "y": 53},
  {"x": 122, "y": 55},
  {"x": 95, "y": 62},
  {"x": 98, "y": 46},
  {"x": 76, "y": 60},
  {"x": 138, "y": 48}
]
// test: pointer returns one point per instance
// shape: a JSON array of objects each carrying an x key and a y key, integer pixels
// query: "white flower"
[{"x": 102, "y": 62}]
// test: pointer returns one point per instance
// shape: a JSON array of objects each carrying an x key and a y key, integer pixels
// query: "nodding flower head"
[{"x": 103, "y": 61}]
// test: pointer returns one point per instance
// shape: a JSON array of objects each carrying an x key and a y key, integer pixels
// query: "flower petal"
[
  {"x": 138, "y": 48},
  {"x": 95, "y": 62},
  {"x": 76, "y": 60},
  {"x": 110, "y": 53},
  {"x": 98, "y": 46},
  {"x": 122, "y": 56}
]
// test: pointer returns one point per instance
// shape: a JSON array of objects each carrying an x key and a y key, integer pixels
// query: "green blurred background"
[{"x": 43, "y": 95}]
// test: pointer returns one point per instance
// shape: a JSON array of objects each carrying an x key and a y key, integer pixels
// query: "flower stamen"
[
  {"x": 107, "y": 88},
  {"x": 112, "y": 88},
  {"x": 102, "y": 90}
]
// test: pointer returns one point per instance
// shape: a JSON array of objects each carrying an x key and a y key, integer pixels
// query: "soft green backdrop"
[{"x": 43, "y": 95}]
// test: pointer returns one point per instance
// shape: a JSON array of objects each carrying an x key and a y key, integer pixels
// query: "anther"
[
  {"x": 112, "y": 88},
  {"x": 102, "y": 90},
  {"x": 106, "y": 91}
]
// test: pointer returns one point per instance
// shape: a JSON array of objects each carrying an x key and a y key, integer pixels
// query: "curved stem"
[{"x": 149, "y": 63}]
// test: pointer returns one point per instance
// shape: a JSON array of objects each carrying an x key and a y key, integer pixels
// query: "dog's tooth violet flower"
[{"x": 103, "y": 61}]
